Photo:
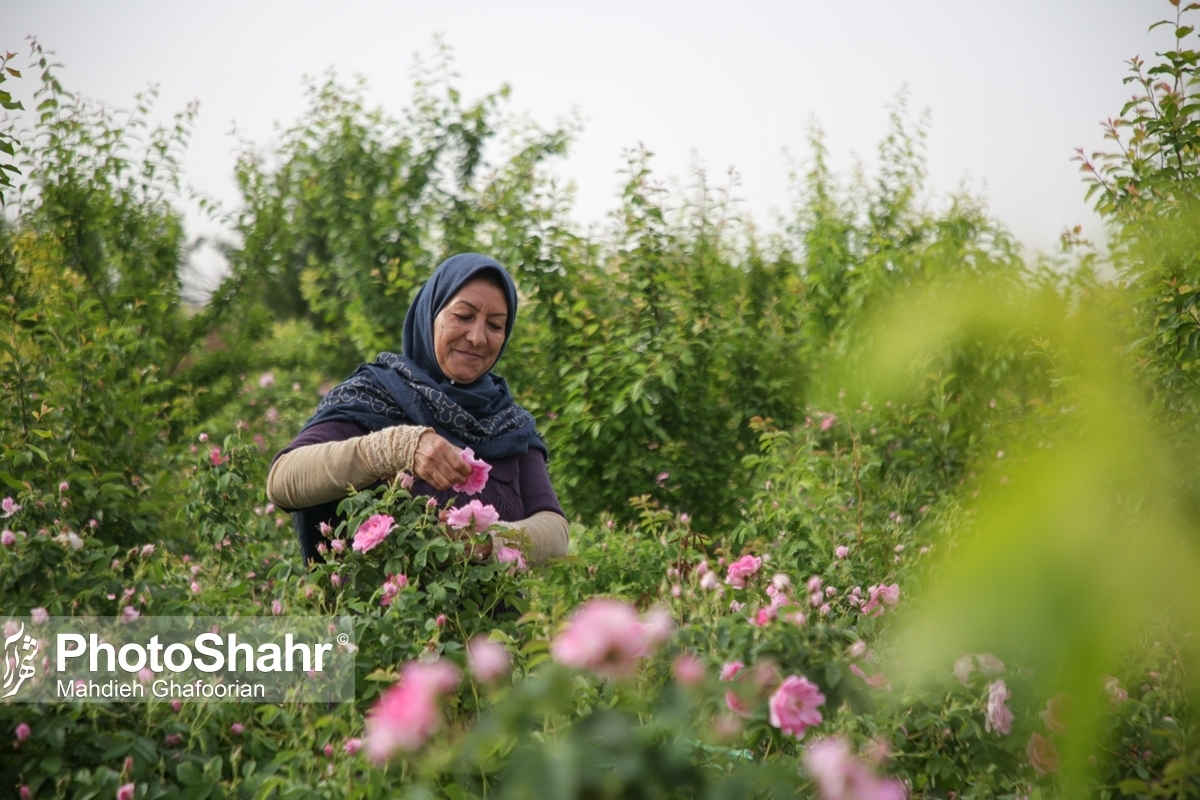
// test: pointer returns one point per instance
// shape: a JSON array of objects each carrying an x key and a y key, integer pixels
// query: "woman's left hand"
[{"x": 474, "y": 550}]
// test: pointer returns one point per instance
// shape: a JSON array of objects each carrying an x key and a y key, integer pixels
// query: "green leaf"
[{"x": 189, "y": 774}]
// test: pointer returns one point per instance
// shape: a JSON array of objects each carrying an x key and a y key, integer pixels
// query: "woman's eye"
[
  {"x": 462, "y": 317},
  {"x": 495, "y": 327}
]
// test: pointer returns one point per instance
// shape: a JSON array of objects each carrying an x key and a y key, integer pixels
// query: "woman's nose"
[{"x": 476, "y": 334}]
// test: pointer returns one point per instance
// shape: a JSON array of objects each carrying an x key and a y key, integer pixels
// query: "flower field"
[{"x": 874, "y": 507}]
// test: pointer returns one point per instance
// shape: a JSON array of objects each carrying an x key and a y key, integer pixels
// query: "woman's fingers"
[{"x": 438, "y": 462}]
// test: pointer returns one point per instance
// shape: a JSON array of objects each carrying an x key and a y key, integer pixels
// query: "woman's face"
[{"x": 469, "y": 331}]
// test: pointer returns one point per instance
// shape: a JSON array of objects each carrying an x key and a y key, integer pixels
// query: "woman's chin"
[{"x": 462, "y": 376}]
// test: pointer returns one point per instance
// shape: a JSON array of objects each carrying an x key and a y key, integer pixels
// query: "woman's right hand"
[{"x": 438, "y": 462}]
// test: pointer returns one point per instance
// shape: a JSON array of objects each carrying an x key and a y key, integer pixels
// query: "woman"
[{"x": 416, "y": 412}]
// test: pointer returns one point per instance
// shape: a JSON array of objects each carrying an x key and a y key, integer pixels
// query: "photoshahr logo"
[{"x": 20, "y": 650}]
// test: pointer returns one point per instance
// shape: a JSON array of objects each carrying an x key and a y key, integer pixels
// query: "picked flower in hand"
[{"x": 479, "y": 474}]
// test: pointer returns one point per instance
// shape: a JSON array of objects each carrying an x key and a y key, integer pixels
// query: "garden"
[{"x": 873, "y": 506}]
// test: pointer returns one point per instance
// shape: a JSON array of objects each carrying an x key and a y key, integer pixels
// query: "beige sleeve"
[
  {"x": 318, "y": 473},
  {"x": 547, "y": 533}
]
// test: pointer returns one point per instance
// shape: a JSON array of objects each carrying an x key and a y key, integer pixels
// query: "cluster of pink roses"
[
  {"x": 392, "y": 587},
  {"x": 608, "y": 638},
  {"x": 881, "y": 597}
]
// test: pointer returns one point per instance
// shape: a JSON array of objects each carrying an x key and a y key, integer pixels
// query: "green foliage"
[{"x": 884, "y": 395}]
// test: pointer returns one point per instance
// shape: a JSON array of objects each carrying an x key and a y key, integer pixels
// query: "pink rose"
[
  {"x": 607, "y": 637},
  {"x": 842, "y": 551},
  {"x": 793, "y": 706},
  {"x": 988, "y": 664},
  {"x": 473, "y": 514},
  {"x": 337, "y": 546},
  {"x": 145, "y": 675},
  {"x": 730, "y": 670},
  {"x": 214, "y": 455},
  {"x": 479, "y": 474},
  {"x": 511, "y": 555},
  {"x": 129, "y": 614},
  {"x": 687, "y": 669},
  {"x": 1116, "y": 694},
  {"x": 745, "y": 567},
  {"x": 9, "y": 506},
  {"x": 735, "y": 703},
  {"x": 882, "y": 596},
  {"x": 23, "y": 732},
  {"x": 125, "y": 792},
  {"x": 24, "y": 793},
  {"x": 407, "y": 713},
  {"x": 1055, "y": 713},
  {"x": 734, "y": 670},
  {"x": 351, "y": 746},
  {"x": 963, "y": 668},
  {"x": 8, "y": 538},
  {"x": 276, "y": 607},
  {"x": 372, "y": 532},
  {"x": 489, "y": 661},
  {"x": 828, "y": 422},
  {"x": 1042, "y": 754},
  {"x": 147, "y": 550},
  {"x": 841, "y": 776},
  {"x": 764, "y": 616},
  {"x": 237, "y": 729},
  {"x": 878, "y": 680},
  {"x": 40, "y": 616},
  {"x": 999, "y": 717},
  {"x": 406, "y": 480}
]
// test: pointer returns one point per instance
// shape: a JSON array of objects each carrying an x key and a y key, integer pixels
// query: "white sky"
[{"x": 1012, "y": 86}]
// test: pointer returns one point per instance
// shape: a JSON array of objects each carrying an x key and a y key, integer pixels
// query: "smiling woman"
[
  {"x": 417, "y": 411},
  {"x": 469, "y": 332}
]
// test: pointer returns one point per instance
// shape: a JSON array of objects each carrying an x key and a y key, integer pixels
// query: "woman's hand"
[{"x": 438, "y": 462}]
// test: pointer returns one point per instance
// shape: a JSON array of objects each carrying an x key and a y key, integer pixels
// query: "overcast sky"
[{"x": 1012, "y": 87}]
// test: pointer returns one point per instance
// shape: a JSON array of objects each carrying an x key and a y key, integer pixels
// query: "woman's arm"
[
  {"x": 317, "y": 473},
  {"x": 545, "y": 525},
  {"x": 547, "y": 533}
]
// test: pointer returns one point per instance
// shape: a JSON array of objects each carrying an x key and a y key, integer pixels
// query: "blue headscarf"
[{"x": 410, "y": 389}]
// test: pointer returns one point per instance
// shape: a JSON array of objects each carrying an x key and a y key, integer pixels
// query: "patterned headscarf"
[{"x": 410, "y": 389}]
